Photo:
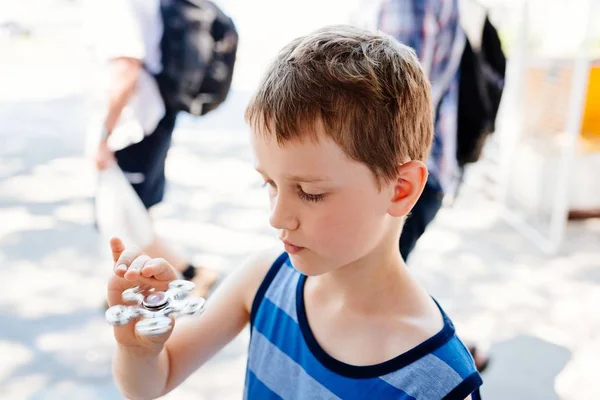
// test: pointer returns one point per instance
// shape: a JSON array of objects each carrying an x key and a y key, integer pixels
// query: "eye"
[{"x": 310, "y": 197}]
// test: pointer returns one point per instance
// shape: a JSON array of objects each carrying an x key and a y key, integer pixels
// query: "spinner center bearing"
[{"x": 156, "y": 301}]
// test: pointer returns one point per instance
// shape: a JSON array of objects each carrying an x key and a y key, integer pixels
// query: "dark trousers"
[
  {"x": 421, "y": 215},
  {"x": 148, "y": 159}
]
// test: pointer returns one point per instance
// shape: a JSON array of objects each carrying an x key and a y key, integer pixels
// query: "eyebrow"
[{"x": 297, "y": 178}]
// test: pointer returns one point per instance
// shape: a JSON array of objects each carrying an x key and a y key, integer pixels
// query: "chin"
[{"x": 308, "y": 265}]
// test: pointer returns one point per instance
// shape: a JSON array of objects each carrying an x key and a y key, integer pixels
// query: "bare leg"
[{"x": 205, "y": 278}]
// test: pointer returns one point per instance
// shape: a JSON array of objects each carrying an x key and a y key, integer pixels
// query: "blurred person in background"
[
  {"x": 134, "y": 124},
  {"x": 432, "y": 28}
]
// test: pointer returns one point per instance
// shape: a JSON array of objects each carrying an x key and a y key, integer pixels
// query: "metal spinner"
[{"x": 154, "y": 307}]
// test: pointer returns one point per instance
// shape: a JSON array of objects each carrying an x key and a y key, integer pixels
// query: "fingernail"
[{"x": 121, "y": 267}]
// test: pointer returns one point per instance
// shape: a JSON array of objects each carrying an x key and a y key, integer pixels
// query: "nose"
[{"x": 282, "y": 214}]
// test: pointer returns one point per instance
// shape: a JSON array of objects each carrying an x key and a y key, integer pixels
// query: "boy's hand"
[{"x": 133, "y": 268}]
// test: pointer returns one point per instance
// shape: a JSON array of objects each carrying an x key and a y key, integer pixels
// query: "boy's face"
[{"x": 327, "y": 208}]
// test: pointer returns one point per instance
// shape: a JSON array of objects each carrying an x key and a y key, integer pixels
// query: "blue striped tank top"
[{"x": 286, "y": 362}]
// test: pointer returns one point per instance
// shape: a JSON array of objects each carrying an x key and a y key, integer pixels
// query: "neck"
[{"x": 367, "y": 284}]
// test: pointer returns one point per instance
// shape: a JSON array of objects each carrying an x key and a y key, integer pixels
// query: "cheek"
[{"x": 349, "y": 221}]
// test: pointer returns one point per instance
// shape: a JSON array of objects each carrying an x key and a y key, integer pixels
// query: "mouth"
[{"x": 291, "y": 248}]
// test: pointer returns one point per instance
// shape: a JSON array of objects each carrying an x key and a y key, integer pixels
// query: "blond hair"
[{"x": 368, "y": 91}]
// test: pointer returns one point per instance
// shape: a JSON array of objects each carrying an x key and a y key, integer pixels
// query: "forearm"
[
  {"x": 140, "y": 376},
  {"x": 124, "y": 78}
]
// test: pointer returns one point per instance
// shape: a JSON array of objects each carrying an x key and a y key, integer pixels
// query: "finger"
[
  {"x": 127, "y": 257},
  {"x": 120, "y": 270},
  {"x": 117, "y": 247},
  {"x": 151, "y": 283},
  {"x": 133, "y": 272},
  {"x": 158, "y": 268}
]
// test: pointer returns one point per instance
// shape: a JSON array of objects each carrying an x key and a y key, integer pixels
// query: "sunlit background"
[{"x": 536, "y": 311}]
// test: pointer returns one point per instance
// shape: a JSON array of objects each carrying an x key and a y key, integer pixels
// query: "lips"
[{"x": 291, "y": 248}]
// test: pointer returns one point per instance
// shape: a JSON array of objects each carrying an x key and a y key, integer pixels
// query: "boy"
[{"x": 341, "y": 125}]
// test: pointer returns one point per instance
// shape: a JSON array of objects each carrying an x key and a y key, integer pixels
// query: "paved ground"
[{"x": 538, "y": 315}]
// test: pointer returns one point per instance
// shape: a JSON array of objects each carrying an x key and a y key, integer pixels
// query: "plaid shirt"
[{"x": 432, "y": 29}]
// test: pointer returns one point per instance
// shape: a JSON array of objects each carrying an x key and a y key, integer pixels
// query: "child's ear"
[{"x": 407, "y": 187}]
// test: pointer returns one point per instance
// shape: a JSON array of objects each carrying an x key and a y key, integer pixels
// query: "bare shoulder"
[{"x": 254, "y": 270}]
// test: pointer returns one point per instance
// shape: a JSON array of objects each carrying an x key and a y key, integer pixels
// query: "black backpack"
[
  {"x": 482, "y": 73},
  {"x": 199, "y": 46}
]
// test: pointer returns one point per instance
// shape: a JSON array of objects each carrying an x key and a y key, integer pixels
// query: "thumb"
[{"x": 117, "y": 247}]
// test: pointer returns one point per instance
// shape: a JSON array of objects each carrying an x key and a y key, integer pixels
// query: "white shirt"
[
  {"x": 127, "y": 28},
  {"x": 133, "y": 29}
]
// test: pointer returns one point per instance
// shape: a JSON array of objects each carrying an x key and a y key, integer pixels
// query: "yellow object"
[{"x": 590, "y": 126}]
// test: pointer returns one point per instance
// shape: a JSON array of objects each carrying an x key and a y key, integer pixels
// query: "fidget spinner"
[{"x": 154, "y": 307}]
